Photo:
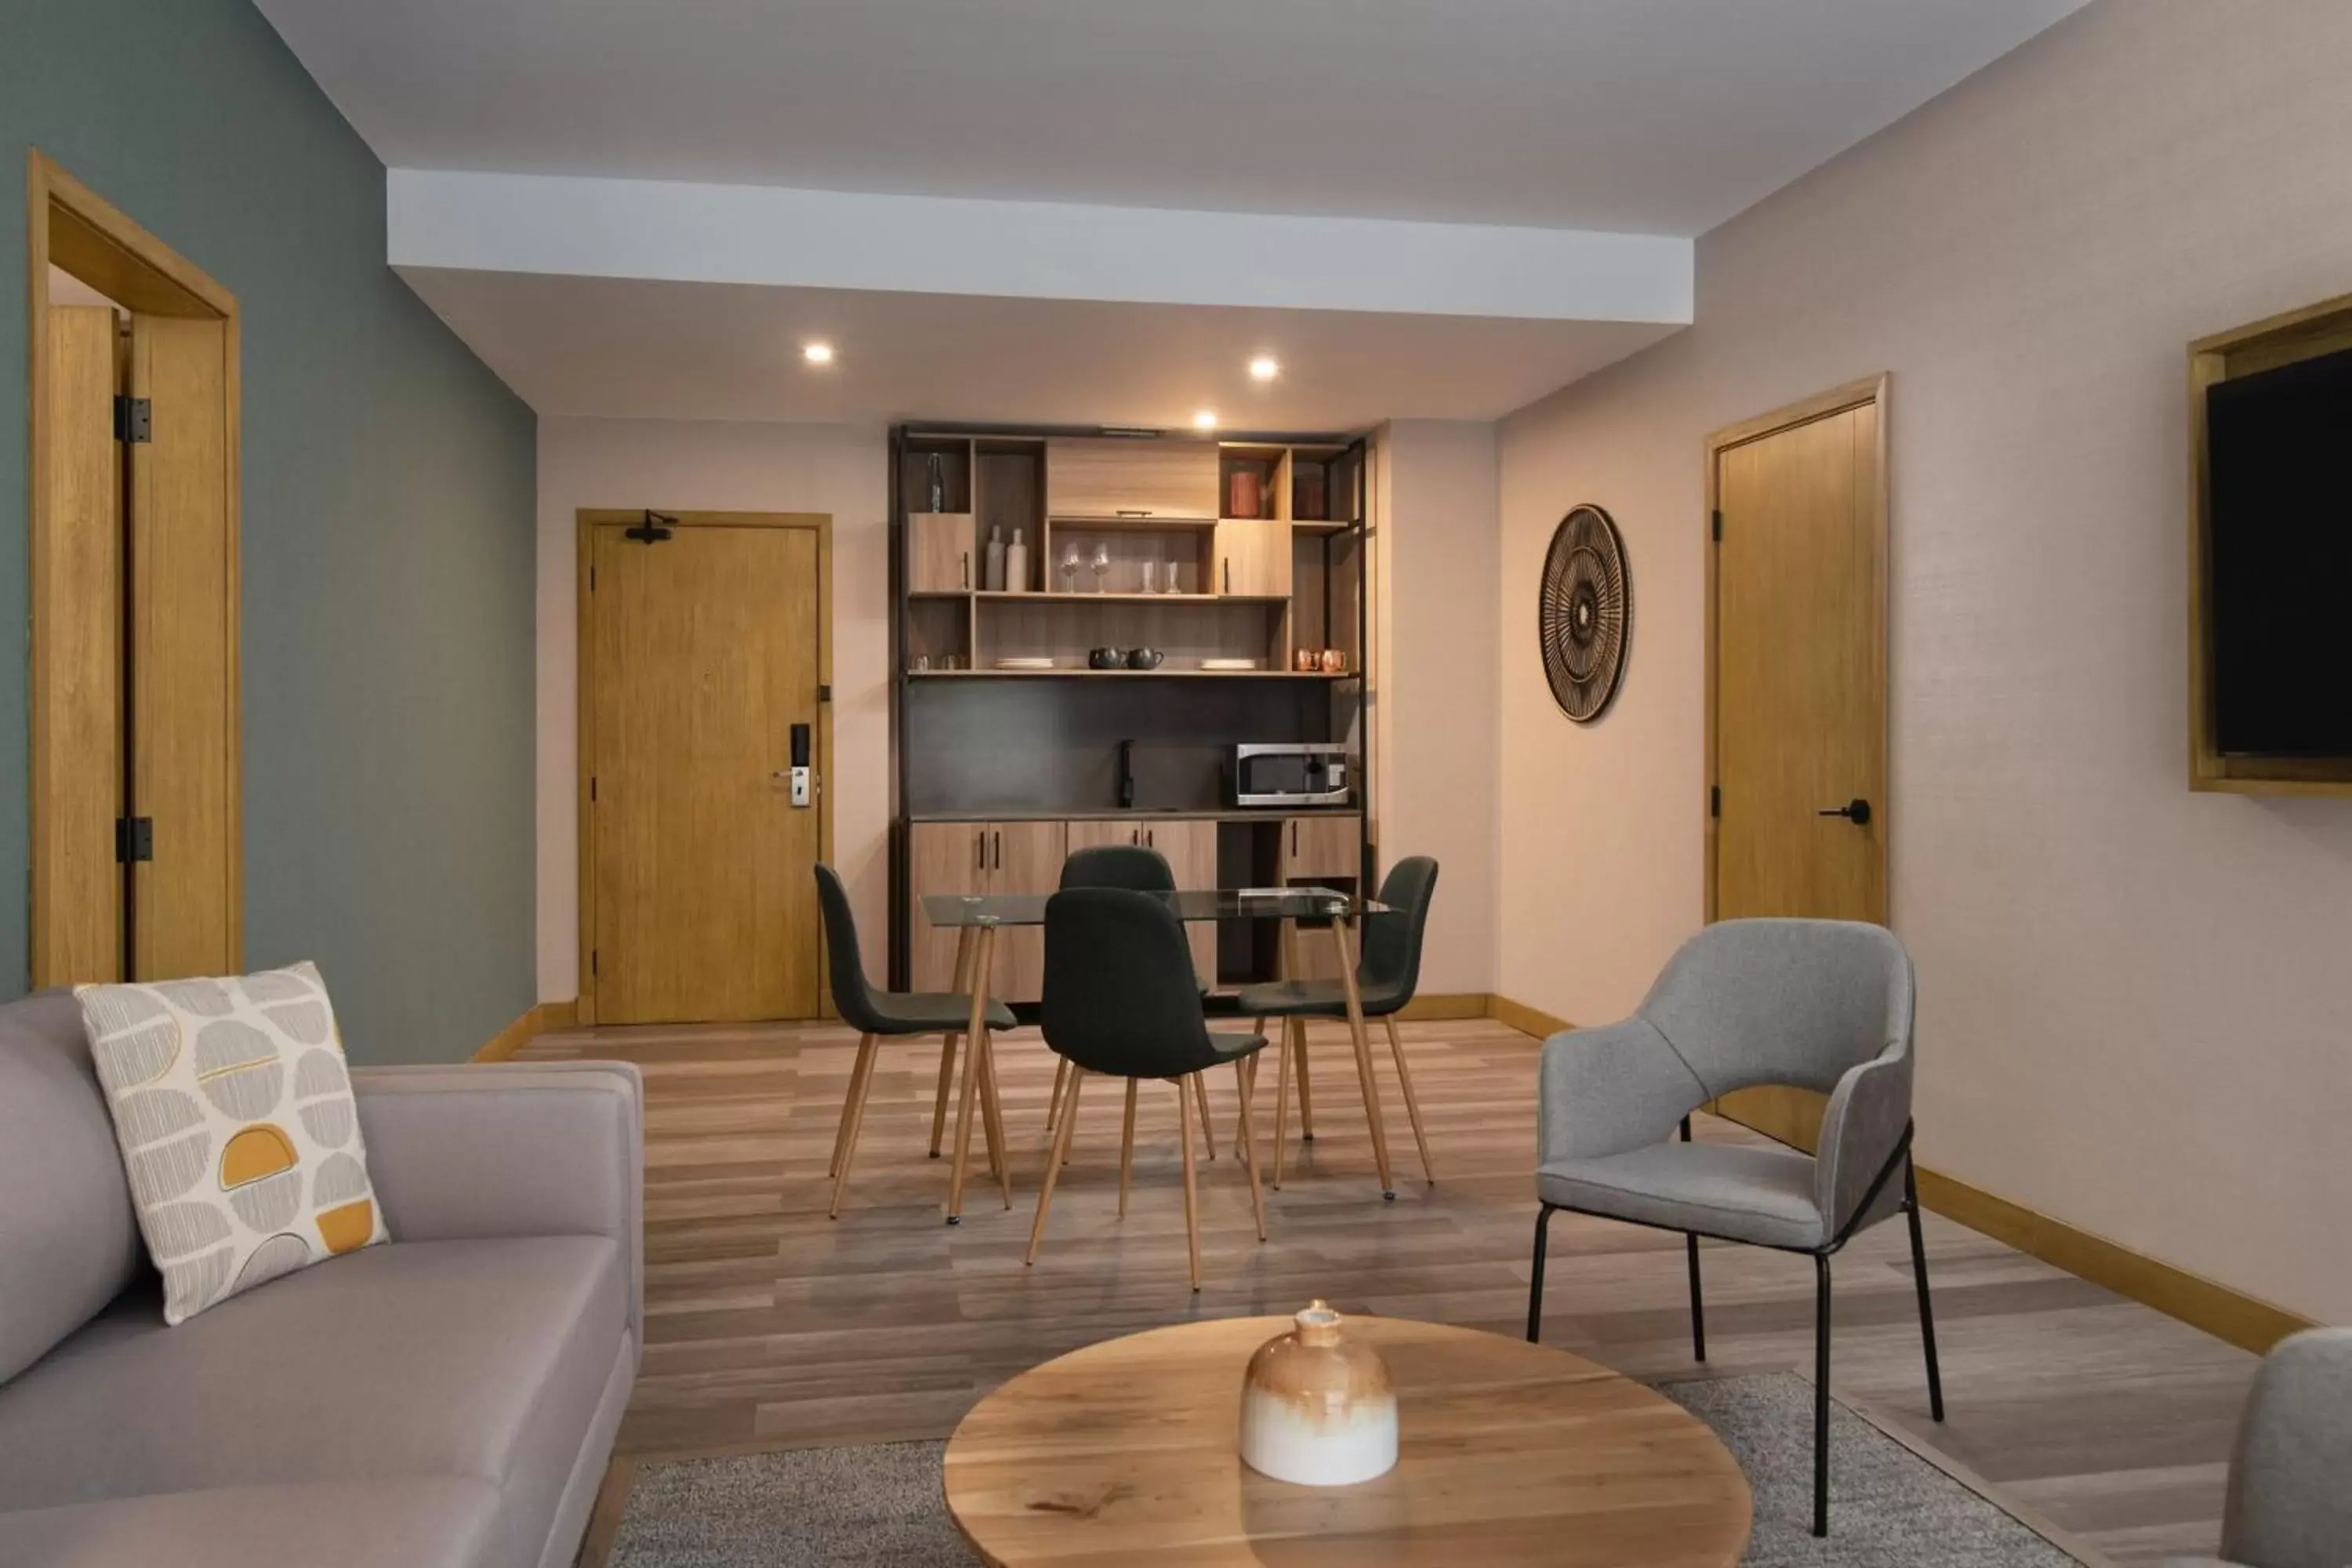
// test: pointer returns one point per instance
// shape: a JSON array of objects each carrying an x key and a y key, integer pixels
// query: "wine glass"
[
  {"x": 1070, "y": 569},
  {"x": 1100, "y": 564}
]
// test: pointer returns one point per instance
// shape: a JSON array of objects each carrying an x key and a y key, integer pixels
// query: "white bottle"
[
  {"x": 1014, "y": 566},
  {"x": 993, "y": 578}
]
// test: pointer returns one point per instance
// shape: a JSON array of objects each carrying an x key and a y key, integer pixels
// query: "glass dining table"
[{"x": 977, "y": 918}]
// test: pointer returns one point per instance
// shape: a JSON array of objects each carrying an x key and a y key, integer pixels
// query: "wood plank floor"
[{"x": 769, "y": 1326}]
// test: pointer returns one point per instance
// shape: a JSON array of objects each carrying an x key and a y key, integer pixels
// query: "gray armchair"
[
  {"x": 1819, "y": 1005},
  {"x": 2288, "y": 1505}
]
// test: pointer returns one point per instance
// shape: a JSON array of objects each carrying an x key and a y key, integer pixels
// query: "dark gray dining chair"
[
  {"x": 1818, "y": 1005},
  {"x": 1139, "y": 869},
  {"x": 2290, "y": 1498},
  {"x": 1122, "y": 1001},
  {"x": 885, "y": 1015},
  {"x": 1386, "y": 972}
]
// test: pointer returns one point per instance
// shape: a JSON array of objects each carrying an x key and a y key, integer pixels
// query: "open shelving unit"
[{"x": 1202, "y": 549}]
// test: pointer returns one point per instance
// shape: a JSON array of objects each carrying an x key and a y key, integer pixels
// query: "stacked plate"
[
  {"x": 1232, "y": 664},
  {"x": 1024, "y": 663}
]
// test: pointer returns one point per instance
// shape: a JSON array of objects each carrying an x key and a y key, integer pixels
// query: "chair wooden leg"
[
  {"x": 1127, "y": 1148},
  {"x": 1249, "y": 1082},
  {"x": 1249, "y": 1148},
  {"x": 857, "y": 1063},
  {"x": 1192, "y": 1193},
  {"x": 853, "y": 1114},
  {"x": 976, "y": 1033},
  {"x": 1058, "y": 1152},
  {"x": 1360, "y": 1036},
  {"x": 1297, "y": 1032},
  {"x": 1061, "y": 1079},
  {"x": 991, "y": 1110},
  {"x": 947, "y": 1082},
  {"x": 1281, "y": 1103},
  {"x": 1412, "y": 1105},
  {"x": 1200, "y": 1102}
]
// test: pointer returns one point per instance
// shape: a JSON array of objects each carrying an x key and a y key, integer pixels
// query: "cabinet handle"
[
  {"x": 980, "y": 850},
  {"x": 1000, "y": 849},
  {"x": 1151, "y": 836},
  {"x": 1135, "y": 511},
  {"x": 967, "y": 569},
  {"x": 1229, "y": 574},
  {"x": 1293, "y": 840}
]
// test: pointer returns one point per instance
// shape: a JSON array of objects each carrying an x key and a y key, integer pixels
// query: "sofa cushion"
[
  {"x": 481, "y": 1358},
  {"x": 449, "y": 1521},
  {"x": 69, "y": 1239},
  {"x": 232, "y": 1106}
]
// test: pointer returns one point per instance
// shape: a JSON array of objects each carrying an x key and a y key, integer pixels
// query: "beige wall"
[
  {"x": 712, "y": 467},
  {"x": 1435, "y": 737},
  {"x": 2135, "y": 1004}
]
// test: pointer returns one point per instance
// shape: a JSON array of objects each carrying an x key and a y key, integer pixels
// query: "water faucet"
[{"x": 1126, "y": 776}]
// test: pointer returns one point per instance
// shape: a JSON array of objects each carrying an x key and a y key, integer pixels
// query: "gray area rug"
[{"x": 880, "y": 1506}]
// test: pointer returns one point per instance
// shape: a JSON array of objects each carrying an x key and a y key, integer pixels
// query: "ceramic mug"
[
  {"x": 1307, "y": 660},
  {"x": 1335, "y": 661}
]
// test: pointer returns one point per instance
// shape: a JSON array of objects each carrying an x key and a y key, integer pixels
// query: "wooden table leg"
[
  {"x": 991, "y": 1113},
  {"x": 975, "y": 1034},
  {"x": 1363, "y": 1041},
  {"x": 1249, "y": 1147},
  {"x": 1126, "y": 1147},
  {"x": 1281, "y": 1103},
  {"x": 965, "y": 940},
  {"x": 1294, "y": 1034}
]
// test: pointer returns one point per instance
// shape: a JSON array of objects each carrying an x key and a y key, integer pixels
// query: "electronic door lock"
[{"x": 804, "y": 777}]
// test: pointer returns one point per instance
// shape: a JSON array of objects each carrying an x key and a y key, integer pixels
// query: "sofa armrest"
[
  {"x": 510, "y": 1150},
  {"x": 1608, "y": 1089}
]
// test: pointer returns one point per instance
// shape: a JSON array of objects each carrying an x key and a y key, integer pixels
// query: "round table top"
[{"x": 1126, "y": 1453}]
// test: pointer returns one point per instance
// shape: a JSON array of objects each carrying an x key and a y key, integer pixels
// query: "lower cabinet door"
[
  {"x": 943, "y": 857},
  {"x": 1023, "y": 857},
  {"x": 1190, "y": 847}
]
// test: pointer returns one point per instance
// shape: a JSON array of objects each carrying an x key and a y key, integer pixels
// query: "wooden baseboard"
[
  {"x": 535, "y": 1021},
  {"x": 1433, "y": 1009},
  {"x": 1526, "y": 1020}
]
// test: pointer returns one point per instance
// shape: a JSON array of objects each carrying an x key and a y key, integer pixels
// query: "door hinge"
[
  {"x": 1715, "y": 800},
  {"x": 134, "y": 839},
  {"x": 134, "y": 419},
  {"x": 1718, "y": 526}
]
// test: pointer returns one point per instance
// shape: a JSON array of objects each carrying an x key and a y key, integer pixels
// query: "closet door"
[{"x": 183, "y": 917}]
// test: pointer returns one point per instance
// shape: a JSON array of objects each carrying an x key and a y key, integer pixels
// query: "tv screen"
[{"x": 2279, "y": 472}]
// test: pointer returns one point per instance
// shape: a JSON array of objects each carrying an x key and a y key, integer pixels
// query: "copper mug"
[
  {"x": 1308, "y": 661},
  {"x": 1335, "y": 661}
]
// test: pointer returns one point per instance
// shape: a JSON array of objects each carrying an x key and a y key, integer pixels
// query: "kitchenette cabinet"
[
  {"x": 1253, "y": 559},
  {"x": 1189, "y": 844},
  {"x": 981, "y": 859}
]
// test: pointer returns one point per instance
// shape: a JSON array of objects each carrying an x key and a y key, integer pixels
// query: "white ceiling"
[
  {"x": 648, "y": 349},
  {"x": 1654, "y": 116}
]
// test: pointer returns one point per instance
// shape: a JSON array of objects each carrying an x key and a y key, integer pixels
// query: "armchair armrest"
[
  {"x": 509, "y": 1149},
  {"x": 1609, "y": 1090},
  {"x": 1863, "y": 1123}
]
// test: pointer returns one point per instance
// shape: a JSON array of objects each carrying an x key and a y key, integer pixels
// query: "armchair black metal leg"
[
  {"x": 1919, "y": 1277},
  {"x": 1821, "y": 1393},
  {"x": 1535, "y": 1283},
  {"x": 1698, "y": 1308}
]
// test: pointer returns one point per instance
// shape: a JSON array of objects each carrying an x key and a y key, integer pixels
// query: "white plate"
[
  {"x": 1232, "y": 664},
  {"x": 1024, "y": 663}
]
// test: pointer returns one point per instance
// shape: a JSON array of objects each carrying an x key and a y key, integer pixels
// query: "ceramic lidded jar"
[{"x": 1317, "y": 1407}]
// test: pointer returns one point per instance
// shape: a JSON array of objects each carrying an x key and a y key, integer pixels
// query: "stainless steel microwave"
[{"x": 1309, "y": 772}]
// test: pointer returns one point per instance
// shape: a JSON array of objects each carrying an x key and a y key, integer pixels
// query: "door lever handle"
[{"x": 1855, "y": 811}]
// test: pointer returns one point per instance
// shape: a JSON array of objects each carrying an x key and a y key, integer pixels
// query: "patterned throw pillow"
[{"x": 238, "y": 1127}]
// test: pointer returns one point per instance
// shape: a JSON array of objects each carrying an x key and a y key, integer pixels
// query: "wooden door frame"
[
  {"x": 1869, "y": 392},
  {"x": 70, "y": 225},
  {"x": 585, "y": 522}
]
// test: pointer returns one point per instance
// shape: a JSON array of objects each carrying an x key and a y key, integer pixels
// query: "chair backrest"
[
  {"x": 2289, "y": 1506},
  {"x": 1390, "y": 965},
  {"x": 1782, "y": 1002},
  {"x": 1121, "y": 995},
  {"x": 852, "y": 998},
  {"x": 1136, "y": 866}
]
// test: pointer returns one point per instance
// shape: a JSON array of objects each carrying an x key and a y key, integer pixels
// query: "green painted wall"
[{"x": 389, "y": 491}]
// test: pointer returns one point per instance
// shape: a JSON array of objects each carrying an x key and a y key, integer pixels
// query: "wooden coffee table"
[{"x": 1124, "y": 1453}]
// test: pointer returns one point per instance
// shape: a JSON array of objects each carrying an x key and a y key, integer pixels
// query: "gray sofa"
[{"x": 450, "y": 1398}]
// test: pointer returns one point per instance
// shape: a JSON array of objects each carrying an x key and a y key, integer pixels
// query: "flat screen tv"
[{"x": 2279, "y": 498}]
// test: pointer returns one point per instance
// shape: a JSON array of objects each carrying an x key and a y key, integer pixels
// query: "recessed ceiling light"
[
  {"x": 1205, "y": 420},
  {"x": 1266, "y": 367},
  {"x": 818, "y": 353}
]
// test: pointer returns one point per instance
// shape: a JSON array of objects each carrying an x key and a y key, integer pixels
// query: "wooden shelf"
[
  {"x": 1162, "y": 674},
  {"x": 1061, "y": 598},
  {"x": 1132, "y": 524}
]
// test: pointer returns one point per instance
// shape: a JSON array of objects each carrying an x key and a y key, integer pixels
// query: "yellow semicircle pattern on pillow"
[
  {"x": 258, "y": 1151},
  {"x": 348, "y": 1228}
]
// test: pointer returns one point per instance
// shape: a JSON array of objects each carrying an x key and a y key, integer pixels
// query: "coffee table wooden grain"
[{"x": 1125, "y": 1453}]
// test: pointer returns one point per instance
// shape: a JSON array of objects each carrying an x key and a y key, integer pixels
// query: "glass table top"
[{"x": 1206, "y": 904}]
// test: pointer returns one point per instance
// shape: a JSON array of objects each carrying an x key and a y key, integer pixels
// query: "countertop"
[{"x": 1140, "y": 814}]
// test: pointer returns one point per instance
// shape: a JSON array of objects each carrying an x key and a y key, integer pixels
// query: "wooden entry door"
[
  {"x": 1797, "y": 680},
  {"x": 701, "y": 652}
]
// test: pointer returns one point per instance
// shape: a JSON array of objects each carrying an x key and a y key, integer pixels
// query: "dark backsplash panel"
[{"x": 975, "y": 745}]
